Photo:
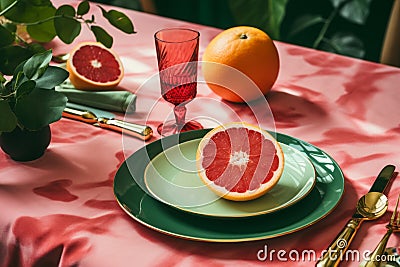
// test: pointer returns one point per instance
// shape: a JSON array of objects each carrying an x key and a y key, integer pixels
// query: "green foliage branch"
[
  {"x": 29, "y": 100},
  {"x": 43, "y": 22}
]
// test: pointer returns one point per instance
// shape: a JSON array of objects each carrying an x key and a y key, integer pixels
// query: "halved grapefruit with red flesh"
[
  {"x": 239, "y": 161},
  {"x": 92, "y": 66}
]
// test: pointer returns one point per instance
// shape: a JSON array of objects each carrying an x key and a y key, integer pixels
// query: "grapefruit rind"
[
  {"x": 81, "y": 82},
  {"x": 250, "y": 194}
]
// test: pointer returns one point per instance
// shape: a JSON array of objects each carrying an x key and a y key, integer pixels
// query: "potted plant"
[{"x": 28, "y": 104}]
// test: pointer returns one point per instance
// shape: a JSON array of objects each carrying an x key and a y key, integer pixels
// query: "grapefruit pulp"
[{"x": 239, "y": 161}]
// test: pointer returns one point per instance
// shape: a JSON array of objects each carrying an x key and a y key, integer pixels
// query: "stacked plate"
[{"x": 158, "y": 186}]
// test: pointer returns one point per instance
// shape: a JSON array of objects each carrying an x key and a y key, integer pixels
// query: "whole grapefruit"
[{"x": 247, "y": 50}]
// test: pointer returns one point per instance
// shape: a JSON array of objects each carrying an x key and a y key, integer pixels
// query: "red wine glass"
[{"x": 177, "y": 55}]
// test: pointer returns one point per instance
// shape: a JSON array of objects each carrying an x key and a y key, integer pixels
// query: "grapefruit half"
[
  {"x": 239, "y": 161},
  {"x": 92, "y": 66}
]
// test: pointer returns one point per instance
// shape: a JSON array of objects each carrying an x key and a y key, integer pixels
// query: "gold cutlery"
[
  {"x": 369, "y": 207},
  {"x": 104, "y": 119},
  {"x": 393, "y": 226}
]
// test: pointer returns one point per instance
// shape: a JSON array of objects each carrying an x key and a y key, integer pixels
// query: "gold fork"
[{"x": 393, "y": 226}]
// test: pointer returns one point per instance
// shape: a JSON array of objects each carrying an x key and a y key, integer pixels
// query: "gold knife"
[
  {"x": 338, "y": 247},
  {"x": 106, "y": 120}
]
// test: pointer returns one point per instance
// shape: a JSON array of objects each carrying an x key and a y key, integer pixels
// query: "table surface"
[{"x": 61, "y": 208}]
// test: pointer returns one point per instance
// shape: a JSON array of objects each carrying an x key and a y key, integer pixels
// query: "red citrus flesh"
[{"x": 239, "y": 161}]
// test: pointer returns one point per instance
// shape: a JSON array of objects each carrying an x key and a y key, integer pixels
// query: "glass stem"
[{"x": 180, "y": 113}]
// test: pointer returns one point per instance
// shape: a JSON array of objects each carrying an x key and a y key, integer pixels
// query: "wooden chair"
[
  {"x": 391, "y": 45},
  {"x": 148, "y": 6}
]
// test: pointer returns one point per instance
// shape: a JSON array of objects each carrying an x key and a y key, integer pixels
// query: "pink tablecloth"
[{"x": 60, "y": 209}]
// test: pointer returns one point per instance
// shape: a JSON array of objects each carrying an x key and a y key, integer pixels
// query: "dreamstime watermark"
[{"x": 310, "y": 255}]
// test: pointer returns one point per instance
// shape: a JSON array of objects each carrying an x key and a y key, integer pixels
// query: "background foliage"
[{"x": 350, "y": 27}]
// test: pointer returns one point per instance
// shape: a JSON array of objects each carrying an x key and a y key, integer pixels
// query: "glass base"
[{"x": 170, "y": 127}]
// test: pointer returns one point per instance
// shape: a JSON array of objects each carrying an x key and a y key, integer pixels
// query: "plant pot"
[{"x": 25, "y": 145}]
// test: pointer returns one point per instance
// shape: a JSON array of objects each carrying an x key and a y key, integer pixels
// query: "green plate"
[
  {"x": 129, "y": 190},
  {"x": 172, "y": 178}
]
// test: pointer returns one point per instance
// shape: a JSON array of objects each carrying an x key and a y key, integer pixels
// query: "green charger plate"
[{"x": 129, "y": 190}]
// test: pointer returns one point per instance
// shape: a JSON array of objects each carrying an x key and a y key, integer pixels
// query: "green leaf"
[
  {"x": 5, "y": 3},
  {"x": 67, "y": 27},
  {"x": 36, "y": 48},
  {"x": 44, "y": 31},
  {"x": 52, "y": 77},
  {"x": 83, "y": 8},
  {"x": 27, "y": 11},
  {"x": 118, "y": 20},
  {"x": 40, "y": 2},
  {"x": 103, "y": 11},
  {"x": 25, "y": 88},
  {"x": 346, "y": 44},
  {"x": 267, "y": 16},
  {"x": 2, "y": 79},
  {"x": 38, "y": 13},
  {"x": 19, "y": 70},
  {"x": 303, "y": 22},
  {"x": 40, "y": 108},
  {"x": 6, "y": 6},
  {"x": 6, "y": 37},
  {"x": 91, "y": 20},
  {"x": 356, "y": 11},
  {"x": 102, "y": 36},
  {"x": 10, "y": 26},
  {"x": 18, "y": 79},
  {"x": 37, "y": 64},
  {"x": 8, "y": 120},
  {"x": 11, "y": 57}
]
